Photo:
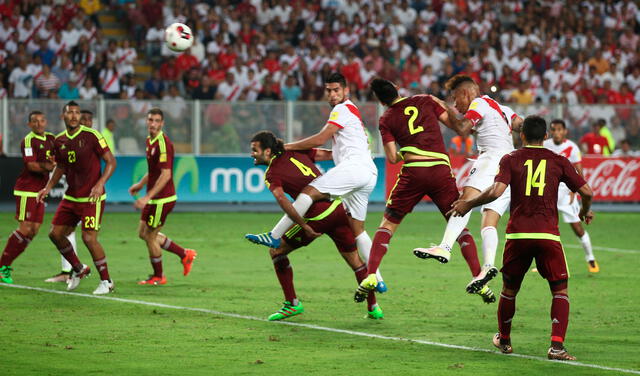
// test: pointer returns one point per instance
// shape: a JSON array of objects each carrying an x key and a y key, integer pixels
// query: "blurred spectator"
[
  {"x": 126, "y": 57},
  {"x": 45, "y": 53},
  {"x": 606, "y": 133},
  {"x": 229, "y": 90},
  {"x": 154, "y": 86},
  {"x": 290, "y": 90},
  {"x": 625, "y": 150},
  {"x": 593, "y": 142},
  {"x": 523, "y": 94},
  {"x": 169, "y": 71},
  {"x": 21, "y": 81},
  {"x": 69, "y": 91},
  {"x": 88, "y": 90},
  {"x": 205, "y": 91},
  {"x": 110, "y": 81},
  {"x": 107, "y": 133}
]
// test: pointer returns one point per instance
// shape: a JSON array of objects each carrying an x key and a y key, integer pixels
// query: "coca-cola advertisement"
[{"x": 612, "y": 179}]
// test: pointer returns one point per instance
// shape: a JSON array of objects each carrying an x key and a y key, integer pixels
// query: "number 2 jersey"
[
  {"x": 80, "y": 154},
  {"x": 34, "y": 149},
  {"x": 534, "y": 174}
]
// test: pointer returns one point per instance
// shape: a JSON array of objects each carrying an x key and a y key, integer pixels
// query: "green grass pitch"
[{"x": 51, "y": 334}]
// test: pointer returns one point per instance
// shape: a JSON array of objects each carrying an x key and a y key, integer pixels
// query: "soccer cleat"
[
  {"x": 154, "y": 280},
  {"x": 486, "y": 275},
  {"x": 561, "y": 354},
  {"x": 366, "y": 286},
  {"x": 437, "y": 252},
  {"x": 487, "y": 295},
  {"x": 5, "y": 274},
  {"x": 60, "y": 277},
  {"x": 287, "y": 310},
  {"x": 376, "y": 314},
  {"x": 381, "y": 287},
  {"x": 505, "y": 348},
  {"x": 104, "y": 287},
  {"x": 263, "y": 239},
  {"x": 187, "y": 261},
  {"x": 74, "y": 281},
  {"x": 593, "y": 266}
]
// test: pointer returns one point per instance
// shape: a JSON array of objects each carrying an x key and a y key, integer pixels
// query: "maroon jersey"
[
  {"x": 292, "y": 170},
  {"x": 534, "y": 174},
  {"x": 160, "y": 156},
  {"x": 34, "y": 149},
  {"x": 80, "y": 156},
  {"x": 413, "y": 123}
]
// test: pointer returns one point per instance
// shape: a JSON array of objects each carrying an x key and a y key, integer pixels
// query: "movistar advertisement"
[{"x": 213, "y": 179}]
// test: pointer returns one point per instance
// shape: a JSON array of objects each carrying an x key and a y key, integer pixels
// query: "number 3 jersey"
[
  {"x": 292, "y": 170},
  {"x": 80, "y": 154},
  {"x": 534, "y": 174}
]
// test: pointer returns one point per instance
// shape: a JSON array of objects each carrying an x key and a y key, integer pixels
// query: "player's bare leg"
[
  {"x": 585, "y": 240},
  {"x": 187, "y": 255},
  {"x": 65, "y": 266},
  {"x": 559, "y": 320},
  {"x": 58, "y": 236},
  {"x": 360, "y": 269},
  {"x": 16, "y": 244},
  {"x": 150, "y": 237},
  {"x": 90, "y": 239},
  {"x": 291, "y": 306},
  {"x": 489, "y": 235}
]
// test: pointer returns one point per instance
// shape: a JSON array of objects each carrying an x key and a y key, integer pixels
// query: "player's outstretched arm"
[
  {"x": 323, "y": 154},
  {"x": 314, "y": 141},
  {"x": 391, "y": 151},
  {"x": 586, "y": 215},
  {"x": 461, "y": 126},
  {"x": 110, "y": 166},
  {"x": 462, "y": 207},
  {"x": 53, "y": 180},
  {"x": 288, "y": 208}
]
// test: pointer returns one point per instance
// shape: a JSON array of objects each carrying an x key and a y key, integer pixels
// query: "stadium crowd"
[{"x": 524, "y": 52}]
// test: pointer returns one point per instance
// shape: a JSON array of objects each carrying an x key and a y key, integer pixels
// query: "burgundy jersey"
[
  {"x": 80, "y": 156},
  {"x": 292, "y": 170},
  {"x": 534, "y": 174},
  {"x": 160, "y": 156},
  {"x": 34, "y": 149},
  {"x": 413, "y": 123}
]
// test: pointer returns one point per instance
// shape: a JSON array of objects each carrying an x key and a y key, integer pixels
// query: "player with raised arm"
[
  {"x": 288, "y": 173},
  {"x": 534, "y": 174},
  {"x": 159, "y": 200},
  {"x": 352, "y": 179},
  {"x": 37, "y": 156},
  {"x": 568, "y": 204},
  {"x": 86, "y": 119},
  {"x": 492, "y": 124},
  {"x": 412, "y": 123},
  {"x": 78, "y": 153}
]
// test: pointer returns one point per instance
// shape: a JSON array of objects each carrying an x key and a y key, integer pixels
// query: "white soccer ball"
[{"x": 178, "y": 37}]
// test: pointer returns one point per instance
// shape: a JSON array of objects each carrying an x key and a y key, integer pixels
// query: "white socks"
[
  {"x": 489, "y": 245},
  {"x": 66, "y": 267},
  {"x": 455, "y": 225},
  {"x": 302, "y": 205},
  {"x": 364, "y": 243},
  {"x": 586, "y": 245}
]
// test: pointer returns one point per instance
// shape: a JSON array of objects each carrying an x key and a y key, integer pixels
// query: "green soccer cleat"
[
  {"x": 487, "y": 295},
  {"x": 366, "y": 286},
  {"x": 5, "y": 274},
  {"x": 376, "y": 314},
  {"x": 287, "y": 311}
]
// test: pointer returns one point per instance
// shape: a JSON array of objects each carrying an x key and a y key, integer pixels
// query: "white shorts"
[
  {"x": 482, "y": 175},
  {"x": 353, "y": 182},
  {"x": 569, "y": 210}
]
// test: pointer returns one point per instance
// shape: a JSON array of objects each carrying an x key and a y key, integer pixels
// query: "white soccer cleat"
[
  {"x": 438, "y": 252},
  {"x": 75, "y": 278},
  {"x": 104, "y": 287},
  {"x": 486, "y": 275}
]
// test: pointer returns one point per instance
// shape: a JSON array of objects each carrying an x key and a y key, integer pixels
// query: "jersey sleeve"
[
  {"x": 509, "y": 113},
  {"x": 311, "y": 153},
  {"x": 100, "y": 145},
  {"x": 504, "y": 173},
  {"x": 28, "y": 154},
  {"x": 165, "y": 158},
  {"x": 271, "y": 177},
  {"x": 437, "y": 108},
  {"x": 477, "y": 110},
  {"x": 385, "y": 133},
  {"x": 576, "y": 155},
  {"x": 339, "y": 116},
  {"x": 570, "y": 176}
]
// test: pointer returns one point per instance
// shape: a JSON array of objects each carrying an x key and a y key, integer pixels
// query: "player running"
[
  {"x": 413, "y": 124},
  {"x": 493, "y": 124},
  {"x": 289, "y": 172},
  {"x": 37, "y": 156},
  {"x": 534, "y": 174},
  {"x": 567, "y": 202},
  {"x": 86, "y": 119},
  {"x": 78, "y": 151},
  {"x": 159, "y": 200},
  {"x": 352, "y": 179}
]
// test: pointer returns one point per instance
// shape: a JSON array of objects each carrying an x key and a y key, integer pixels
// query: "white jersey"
[
  {"x": 350, "y": 142},
  {"x": 492, "y": 124},
  {"x": 568, "y": 149}
]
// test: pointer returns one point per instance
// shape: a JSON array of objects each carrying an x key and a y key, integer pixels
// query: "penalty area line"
[{"x": 321, "y": 328}]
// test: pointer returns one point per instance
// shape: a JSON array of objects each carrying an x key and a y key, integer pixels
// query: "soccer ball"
[{"x": 178, "y": 37}]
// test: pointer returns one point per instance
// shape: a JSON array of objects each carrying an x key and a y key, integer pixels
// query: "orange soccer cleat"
[
  {"x": 154, "y": 280},
  {"x": 187, "y": 260}
]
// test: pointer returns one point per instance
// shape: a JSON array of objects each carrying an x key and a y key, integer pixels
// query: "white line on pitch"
[{"x": 323, "y": 328}]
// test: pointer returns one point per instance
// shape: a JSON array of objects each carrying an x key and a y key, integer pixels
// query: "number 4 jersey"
[
  {"x": 534, "y": 174},
  {"x": 292, "y": 170}
]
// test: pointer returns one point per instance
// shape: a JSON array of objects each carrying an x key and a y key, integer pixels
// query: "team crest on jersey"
[
  {"x": 473, "y": 170},
  {"x": 153, "y": 151},
  {"x": 333, "y": 115},
  {"x": 41, "y": 146},
  {"x": 473, "y": 105}
]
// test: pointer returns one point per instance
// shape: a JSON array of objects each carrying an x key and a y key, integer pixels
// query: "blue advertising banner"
[{"x": 213, "y": 179}]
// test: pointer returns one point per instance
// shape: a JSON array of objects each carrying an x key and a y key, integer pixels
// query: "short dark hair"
[
  {"x": 268, "y": 140},
  {"x": 87, "y": 112},
  {"x": 384, "y": 90},
  {"x": 534, "y": 128},
  {"x": 336, "y": 77},
  {"x": 559, "y": 121},
  {"x": 36, "y": 112},
  {"x": 156, "y": 111},
  {"x": 459, "y": 79},
  {"x": 69, "y": 104}
]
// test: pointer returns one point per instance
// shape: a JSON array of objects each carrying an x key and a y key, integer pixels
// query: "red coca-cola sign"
[{"x": 612, "y": 179}]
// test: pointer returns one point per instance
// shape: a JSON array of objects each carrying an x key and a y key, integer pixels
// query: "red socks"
[
  {"x": 361, "y": 273},
  {"x": 379, "y": 248},
  {"x": 16, "y": 244},
  {"x": 559, "y": 317},
  {"x": 156, "y": 263},
  {"x": 506, "y": 310},
  {"x": 469, "y": 251},
  {"x": 70, "y": 256},
  {"x": 285, "y": 276},
  {"x": 172, "y": 247},
  {"x": 101, "y": 265}
]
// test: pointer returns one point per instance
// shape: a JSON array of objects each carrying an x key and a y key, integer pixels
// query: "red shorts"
[
  {"x": 549, "y": 256},
  {"x": 89, "y": 214},
  {"x": 29, "y": 209},
  {"x": 414, "y": 183},
  {"x": 155, "y": 215},
  {"x": 335, "y": 224}
]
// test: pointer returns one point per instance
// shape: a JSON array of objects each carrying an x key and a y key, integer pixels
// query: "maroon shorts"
[
  {"x": 549, "y": 256},
  {"x": 89, "y": 214},
  {"x": 29, "y": 209},
  {"x": 155, "y": 215},
  {"x": 335, "y": 224},
  {"x": 414, "y": 183}
]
